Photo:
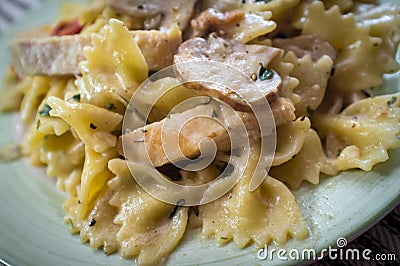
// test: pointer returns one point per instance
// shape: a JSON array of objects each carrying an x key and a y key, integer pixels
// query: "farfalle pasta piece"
[
  {"x": 150, "y": 229},
  {"x": 270, "y": 213},
  {"x": 290, "y": 140},
  {"x": 344, "y": 5},
  {"x": 306, "y": 165},
  {"x": 92, "y": 124},
  {"x": 33, "y": 98},
  {"x": 114, "y": 66},
  {"x": 359, "y": 63},
  {"x": 384, "y": 23},
  {"x": 98, "y": 228},
  {"x": 95, "y": 176},
  {"x": 284, "y": 68},
  {"x": 63, "y": 156},
  {"x": 368, "y": 128},
  {"x": 313, "y": 79}
]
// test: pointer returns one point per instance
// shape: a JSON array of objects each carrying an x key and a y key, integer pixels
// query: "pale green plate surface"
[{"x": 32, "y": 231}]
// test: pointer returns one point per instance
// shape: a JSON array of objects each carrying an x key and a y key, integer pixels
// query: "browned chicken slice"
[
  {"x": 306, "y": 44},
  {"x": 60, "y": 55},
  {"x": 232, "y": 83},
  {"x": 152, "y": 138},
  {"x": 212, "y": 20},
  {"x": 162, "y": 13}
]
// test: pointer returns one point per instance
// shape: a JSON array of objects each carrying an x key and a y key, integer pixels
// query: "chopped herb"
[
  {"x": 225, "y": 45},
  {"x": 45, "y": 110},
  {"x": 92, "y": 222},
  {"x": 132, "y": 108},
  {"x": 214, "y": 114},
  {"x": 110, "y": 106},
  {"x": 333, "y": 70},
  {"x": 79, "y": 202},
  {"x": 265, "y": 73},
  {"x": 392, "y": 101},
  {"x": 75, "y": 98},
  {"x": 224, "y": 238},
  {"x": 367, "y": 93},
  {"x": 196, "y": 210},
  {"x": 310, "y": 111},
  {"x": 227, "y": 171},
  {"x": 92, "y": 126},
  {"x": 208, "y": 101},
  {"x": 179, "y": 204},
  {"x": 37, "y": 124},
  {"x": 140, "y": 7}
]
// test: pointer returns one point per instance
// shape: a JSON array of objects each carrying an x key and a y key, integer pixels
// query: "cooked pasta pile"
[{"x": 71, "y": 83}]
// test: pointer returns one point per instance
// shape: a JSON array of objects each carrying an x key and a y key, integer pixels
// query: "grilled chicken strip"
[{"x": 60, "y": 55}]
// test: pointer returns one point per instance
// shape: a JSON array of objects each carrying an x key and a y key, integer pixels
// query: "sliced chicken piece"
[
  {"x": 54, "y": 55},
  {"x": 306, "y": 44},
  {"x": 152, "y": 138},
  {"x": 212, "y": 20},
  {"x": 235, "y": 24},
  {"x": 166, "y": 11},
  {"x": 60, "y": 55},
  {"x": 227, "y": 83}
]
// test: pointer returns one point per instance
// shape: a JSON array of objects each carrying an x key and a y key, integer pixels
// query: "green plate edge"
[{"x": 32, "y": 230}]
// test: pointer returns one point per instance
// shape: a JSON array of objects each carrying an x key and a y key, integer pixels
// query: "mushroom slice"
[
  {"x": 61, "y": 55},
  {"x": 226, "y": 83},
  {"x": 167, "y": 11},
  {"x": 306, "y": 44}
]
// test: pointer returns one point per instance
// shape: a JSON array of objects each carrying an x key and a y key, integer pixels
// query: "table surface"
[{"x": 382, "y": 238}]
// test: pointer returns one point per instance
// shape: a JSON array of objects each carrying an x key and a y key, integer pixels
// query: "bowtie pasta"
[{"x": 71, "y": 82}]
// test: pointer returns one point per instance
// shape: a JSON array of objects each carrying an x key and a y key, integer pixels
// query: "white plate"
[{"x": 32, "y": 231}]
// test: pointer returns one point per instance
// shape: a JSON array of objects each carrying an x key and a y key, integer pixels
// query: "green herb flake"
[
  {"x": 208, "y": 100},
  {"x": 75, "y": 98},
  {"x": 179, "y": 204},
  {"x": 45, "y": 110},
  {"x": 310, "y": 111},
  {"x": 367, "y": 93},
  {"x": 93, "y": 126},
  {"x": 392, "y": 101},
  {"x": 265, "y": 73},
  {"x": 92, "y": 222},
  {"x": 214, "y": 114},
  {"x": 110, "y": 106},
  {"x": 37, "y": 124}
]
